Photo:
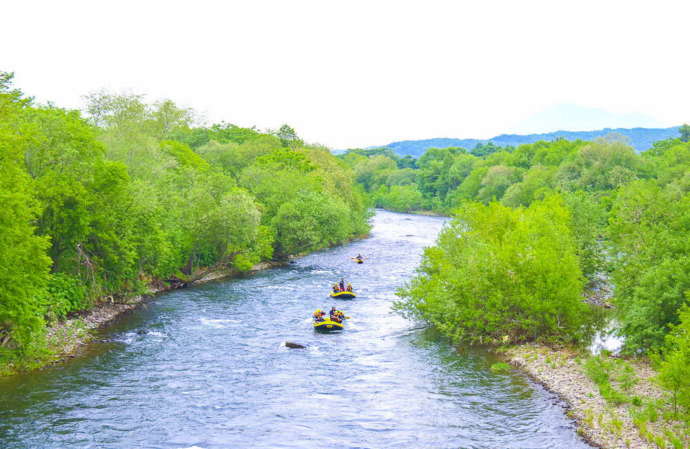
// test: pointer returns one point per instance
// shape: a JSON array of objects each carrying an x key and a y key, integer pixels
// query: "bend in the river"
[{"x": 206, "y": 367}]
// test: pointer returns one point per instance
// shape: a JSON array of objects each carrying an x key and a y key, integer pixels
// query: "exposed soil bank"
[{"x": 601, "y": 423}]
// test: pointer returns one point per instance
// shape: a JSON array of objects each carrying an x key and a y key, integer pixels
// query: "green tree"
[
  {"x": 684, "y": 133},
  {"x": 401, "y": 198},
  {"x": 23, "y": 262},
  {"x": 588, "y": 223},
  {"x": 602, "y": 165},
  {"x": 496, "y": 181},
  {"x": 673, "y": 369},
  {"x": 288, "y": 136},
  {"x": 536, "y": 184},
  {"x": 502, "y": 274},
  {"x": 652, "y": 263},
  {"x": 310, "y": 221}
]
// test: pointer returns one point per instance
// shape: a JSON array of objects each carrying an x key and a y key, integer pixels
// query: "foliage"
[
  {"x": 502, "y": 274},
  {"x": 610, "y": 375},
  {"x": 685, "y": 133},
  {"x": 400, "y": 198},
  {"x": 310, "y": 221},
  {"x": 65, "y": 294},
  {"x": 588, "y": 224},
  {"x": 136, "y": 191},
  {"x": 23, "y": 261},
  {"x": 673, "y": 369},
  {"x": 500, "y": 368},
  {"x": 652, "y": 261},
  {"x": 604, "y": 164}
]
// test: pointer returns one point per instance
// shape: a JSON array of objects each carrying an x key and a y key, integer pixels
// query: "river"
[{"x": 206, "y": 367}]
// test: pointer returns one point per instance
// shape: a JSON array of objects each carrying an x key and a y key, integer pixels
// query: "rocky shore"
[{"x": 600, "y": 422}]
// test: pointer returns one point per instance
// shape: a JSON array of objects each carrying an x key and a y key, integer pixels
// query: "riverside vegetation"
[
  {"x": 539, "y": 228},
  {"x": 134, "y": 194}
]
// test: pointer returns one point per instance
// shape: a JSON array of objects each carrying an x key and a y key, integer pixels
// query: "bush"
[
  {"x": 502, "y": 274},
  {"x": 65, "y": 294},
  {"x": 309, "y": 222},
  {"x": 500, "y": 368},
  {"x": 675, "y": 365}
]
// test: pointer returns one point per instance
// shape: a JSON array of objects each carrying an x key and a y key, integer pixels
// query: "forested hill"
[{"x": 640, "y": 138}]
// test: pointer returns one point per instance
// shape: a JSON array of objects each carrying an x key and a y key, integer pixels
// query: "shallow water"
[{"x": 206, "y": 367}]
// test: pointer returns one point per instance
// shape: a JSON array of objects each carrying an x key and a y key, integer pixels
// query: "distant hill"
[{"x": 640, "y": 138}]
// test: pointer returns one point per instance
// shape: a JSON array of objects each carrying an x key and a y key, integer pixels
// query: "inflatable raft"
[
  {"x": 327, "y": 326},
  {"x": 343, "y": 295}
]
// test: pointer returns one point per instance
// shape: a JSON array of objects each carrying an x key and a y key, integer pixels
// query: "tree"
[
  {"x": 372, "y": 171},
  {"x": 401, "y": 198},
  {"x": 23, "y": 262},
  {"x": 604, "y": 164},
  {"x": 167, "y": 117},
  {"x": 673, "y": 369},
  {"x": 502, "y": 274},
  {"x": 588, "y": 224},
  {"x": 496, "y": 181},
  {"x": 288, "y": 136},
  {"x": 536, "y": 184},
  {"x": 310, "y": 221},
  {"x": 133, "y": 195},
  {"x": 685, "y": 133},
  {"x": 652, "y": 261}
]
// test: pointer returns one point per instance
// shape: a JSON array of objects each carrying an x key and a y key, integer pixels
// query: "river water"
[{"x": 206, "y": 367}]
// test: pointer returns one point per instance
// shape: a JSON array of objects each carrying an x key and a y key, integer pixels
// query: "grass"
[
  {"x": 610, "y": 375},
  {"x": 655, "y": 422},
  {"x": 500, "y": 368}
]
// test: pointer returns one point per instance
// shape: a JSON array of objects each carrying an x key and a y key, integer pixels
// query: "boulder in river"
[{"x": 292, "y": 345}]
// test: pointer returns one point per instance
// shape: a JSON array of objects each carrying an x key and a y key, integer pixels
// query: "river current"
[{"x": 206, "y": 368}]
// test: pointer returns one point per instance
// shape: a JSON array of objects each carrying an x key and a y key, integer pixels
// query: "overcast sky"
[{"x": 359, "y": 73}]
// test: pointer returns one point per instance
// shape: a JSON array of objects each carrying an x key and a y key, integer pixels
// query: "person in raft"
[
  {"x": 336, "y": 315},
  {"x": 342, "y": 284},
  {"x": 349, "y": 287},
  {"x": 318, "y": 315},
  {"x": 336, "y": 289}
]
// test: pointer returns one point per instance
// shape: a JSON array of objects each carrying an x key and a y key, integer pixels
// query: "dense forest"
[
  {"x": 538, "y": 228},
  {"x": 132, "y": 194}
]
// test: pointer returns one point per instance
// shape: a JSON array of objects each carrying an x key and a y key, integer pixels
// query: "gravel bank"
[{"x": 601, "y": 423}]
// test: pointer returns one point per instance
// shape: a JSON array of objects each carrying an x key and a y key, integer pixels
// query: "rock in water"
[{"x": 292, "y": 345}]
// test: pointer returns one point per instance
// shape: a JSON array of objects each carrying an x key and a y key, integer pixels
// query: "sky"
[{"x": 359, "y": 73}]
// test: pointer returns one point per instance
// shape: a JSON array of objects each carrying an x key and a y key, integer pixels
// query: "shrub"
[
  {"x": 675, "y": 365},
  {"x": 499, "y": 273},
  {"x": 500, "y": 368},
  {"x": 65, "y": 294}
]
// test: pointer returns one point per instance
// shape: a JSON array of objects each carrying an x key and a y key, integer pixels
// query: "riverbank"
[
  {"x": 626, "y": 410},
  {"x": 202, "y": 353},
  {"x": 65, "y": 339}
]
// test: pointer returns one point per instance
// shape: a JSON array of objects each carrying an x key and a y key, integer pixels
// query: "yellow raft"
[
  {"x": 343, "y": 295},
  {"x": 328, "y": 326}
]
